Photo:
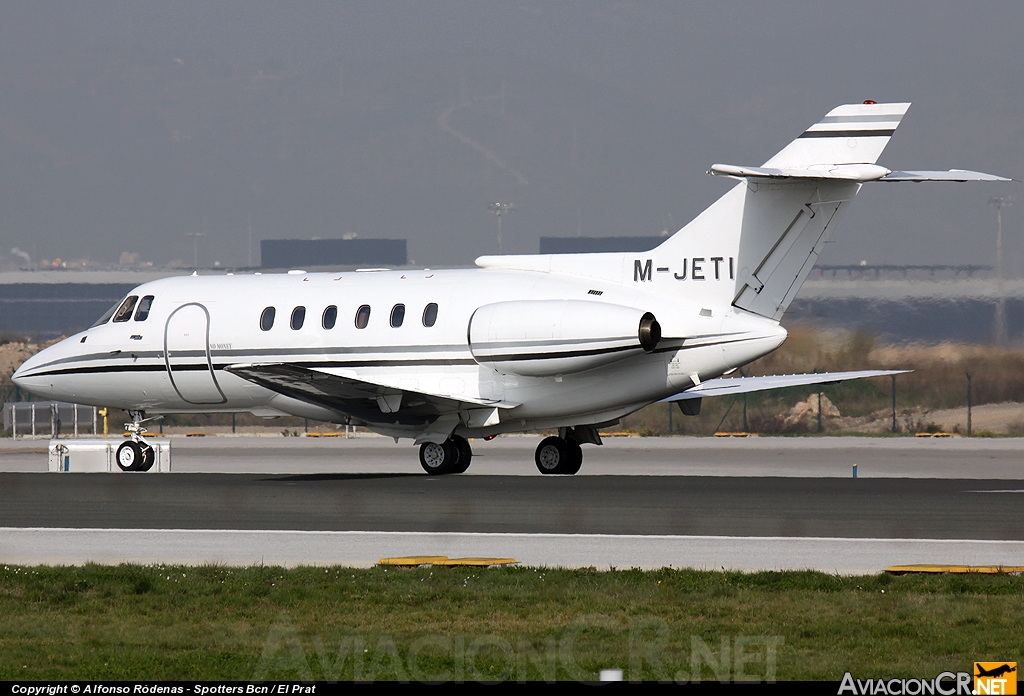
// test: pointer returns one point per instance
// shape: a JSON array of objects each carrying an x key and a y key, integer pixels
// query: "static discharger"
[
  {"x": 927, "y": 568},
  {"x": 415, "y": 561}
]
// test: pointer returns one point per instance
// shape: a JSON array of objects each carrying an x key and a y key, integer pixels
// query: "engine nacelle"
[{"x": 539, "y": 338}]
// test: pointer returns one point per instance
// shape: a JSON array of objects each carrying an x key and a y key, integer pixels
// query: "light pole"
[
  {"x": 499, "y": 209},
  {"x": 1000, "y": 202},
  {"x": 195, "y": 247}
]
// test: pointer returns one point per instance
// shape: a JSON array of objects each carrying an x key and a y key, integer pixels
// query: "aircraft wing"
[
  {"x": 723, "y": 386},
  {"x": 363, "y": 399}
]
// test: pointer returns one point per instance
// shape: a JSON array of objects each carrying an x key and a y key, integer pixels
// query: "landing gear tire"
[
  {"x": 130, "y": 456},
  {"x": 465, "y": 453},
  {"x": 558, "y": 456},
  {"x": 439, "y": 459},
  {"x": 148, "y": 457},
  {"x": 575, "y": 457}
]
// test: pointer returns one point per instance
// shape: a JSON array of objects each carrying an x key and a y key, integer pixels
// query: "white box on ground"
[{"x": 100, "y": 455}]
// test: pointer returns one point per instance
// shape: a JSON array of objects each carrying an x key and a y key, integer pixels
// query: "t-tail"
[{"x": 756, "y": 245}]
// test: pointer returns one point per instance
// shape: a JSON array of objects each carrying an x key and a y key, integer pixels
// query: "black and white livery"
[{"x": 569, "y": 342}]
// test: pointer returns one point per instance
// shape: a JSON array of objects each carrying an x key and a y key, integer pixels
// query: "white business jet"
[{"x": 570, "y": 342}]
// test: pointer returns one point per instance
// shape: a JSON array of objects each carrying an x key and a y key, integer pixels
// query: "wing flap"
[
  {"x": 359, "y": 397},
  {"x": 723, "y": 386}
]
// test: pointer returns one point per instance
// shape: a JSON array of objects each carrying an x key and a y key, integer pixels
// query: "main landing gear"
[
  {"x": 451, "y": 457},
  {"x": 557, "y": 455},
  {"x": 135, "y": 454}
]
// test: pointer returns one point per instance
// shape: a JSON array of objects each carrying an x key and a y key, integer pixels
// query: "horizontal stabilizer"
[
  {"x": 841, "y": 172},
  {"x": 723, "y": 386},
  {"x": 849, "y": 172},
  {"x": 951, "y": 175}
]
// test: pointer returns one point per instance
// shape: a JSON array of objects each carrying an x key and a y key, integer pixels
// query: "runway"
[
  {"x": 777, "y": 503},
  {"x": 876, "y": 457}
]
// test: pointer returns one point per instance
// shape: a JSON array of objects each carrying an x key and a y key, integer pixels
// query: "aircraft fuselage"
[{"x": 174, "y": 359}]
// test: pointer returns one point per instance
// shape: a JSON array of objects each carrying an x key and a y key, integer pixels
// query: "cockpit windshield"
[
  {"x": 142, "y": 313},
  {"x": 124, "y": 312},
  {"x": 106, "y": 316}
]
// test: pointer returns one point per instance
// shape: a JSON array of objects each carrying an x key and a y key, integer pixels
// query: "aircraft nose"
[
  {"x": 27, "y": 377},
  {"x": 19, "y": 376}
]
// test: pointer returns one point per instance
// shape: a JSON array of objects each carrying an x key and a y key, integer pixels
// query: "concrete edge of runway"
[{"x": 842, "y": 556}]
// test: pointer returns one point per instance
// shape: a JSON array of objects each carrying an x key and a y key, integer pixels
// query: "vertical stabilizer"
[
  {"x": 849, "y": 134},
  {"x": 754, "y": 247}
]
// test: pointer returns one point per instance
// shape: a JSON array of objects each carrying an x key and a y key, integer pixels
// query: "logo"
[{"x": 995, "y": 678}]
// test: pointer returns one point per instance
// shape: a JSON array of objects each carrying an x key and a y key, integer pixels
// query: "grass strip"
[{"x": 211, "y": 623}]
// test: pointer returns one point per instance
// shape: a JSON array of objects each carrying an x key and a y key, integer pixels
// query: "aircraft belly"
[{"x": 641, "y": 380}]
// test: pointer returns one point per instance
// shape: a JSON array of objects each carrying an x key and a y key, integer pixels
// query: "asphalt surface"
[
  {"x": 805, "y": 457},
  {"x": 746, "y": 504},
  {"x": 625, "y": 505}
]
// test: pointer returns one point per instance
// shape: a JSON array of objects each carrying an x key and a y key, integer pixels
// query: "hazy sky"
[{"x": 671, "y": 88}]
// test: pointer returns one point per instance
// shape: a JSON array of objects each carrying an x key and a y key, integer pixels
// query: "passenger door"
[{"x": 187, "y": 355}]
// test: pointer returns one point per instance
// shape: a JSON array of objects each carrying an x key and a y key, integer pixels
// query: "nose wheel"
[
  {"x": 556, "y": 455},
  {"x": 135, "y": 456},
  {"x": 450, "y": 457}
]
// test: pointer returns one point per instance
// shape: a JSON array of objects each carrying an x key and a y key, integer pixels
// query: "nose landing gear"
[{"x": 135, "y": 454}]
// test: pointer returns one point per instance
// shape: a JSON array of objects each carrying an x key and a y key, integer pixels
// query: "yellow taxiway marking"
[
  {"x": 444, "y": 561},
  {"x": 928, "y": 568}
]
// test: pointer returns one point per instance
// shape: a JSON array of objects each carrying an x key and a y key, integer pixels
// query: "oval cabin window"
[
  {"x": 267, "y": 319},
  {"x": 363, "y": 316},
  {"x": 430, "y": 314},
  {"x": 397, "y": 315},
  {"x": 298, "y": 318},
  {"x": 330, "y": 317}
]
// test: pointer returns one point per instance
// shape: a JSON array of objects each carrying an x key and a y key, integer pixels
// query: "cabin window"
[
  {"x": 298, "y": 318},
  {"x": 430, "y": 314},
  {"x": 397, "y": 315},
  {"x": 142, "y": 313},
  {"x": 124, "y": 312},
  {"x": 267, "y": 319},
  {"x": 363, "y": 316},
  {"x": 330, "y": 317}
]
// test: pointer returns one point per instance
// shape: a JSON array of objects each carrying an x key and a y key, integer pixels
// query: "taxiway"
[{"x": 773, "y": 503}]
